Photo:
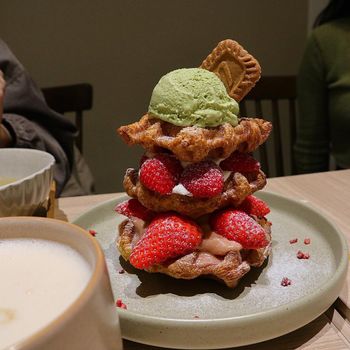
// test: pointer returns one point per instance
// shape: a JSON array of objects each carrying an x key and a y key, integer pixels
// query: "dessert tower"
[{"x": 193, "y": 212}]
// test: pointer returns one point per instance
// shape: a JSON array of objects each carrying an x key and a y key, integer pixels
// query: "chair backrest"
[
  {"x": 274, "y": 98},
  {"x": 71, "y": 98}
]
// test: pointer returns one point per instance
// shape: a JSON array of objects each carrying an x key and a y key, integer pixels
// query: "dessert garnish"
[
  {"x": 307, "y": 241},
  {"x": 286, "y": 282},
  {"x": 119, "y": 303},
  {"x": 92, "y": 233},
  {"x": 302, "y": 255}
]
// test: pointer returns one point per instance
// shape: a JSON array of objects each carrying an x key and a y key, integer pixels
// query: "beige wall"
[{"x": 123, "y": 47}]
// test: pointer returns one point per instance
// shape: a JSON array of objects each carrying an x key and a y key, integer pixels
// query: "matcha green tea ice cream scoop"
[{"x": 193, "y": 97}]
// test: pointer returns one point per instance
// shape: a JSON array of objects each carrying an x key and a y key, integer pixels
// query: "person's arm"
[
  {"x": 30, "y": 122},
  {"x": 312, "y": 146},
  {"x": 5, "y": 136}
]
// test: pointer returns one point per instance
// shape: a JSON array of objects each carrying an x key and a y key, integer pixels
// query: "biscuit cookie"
[{"x": 237, "y": 69}]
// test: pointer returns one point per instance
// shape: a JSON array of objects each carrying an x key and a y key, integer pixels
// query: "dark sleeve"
[
  {"x": 313, "y": 139},
  {"x": 30, "y": 120}
]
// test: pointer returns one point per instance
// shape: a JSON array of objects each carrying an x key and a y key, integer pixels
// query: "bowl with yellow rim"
[{"x": 25, "y": 179}]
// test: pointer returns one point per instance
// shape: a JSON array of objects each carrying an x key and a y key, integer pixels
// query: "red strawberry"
[
  {"x": 238, "y": 226},
  {"x": 168, "y": 236},
  {"x": 240, "y": 162},
  {"x": 203, "y": 180},
  {"x": 254, "y": 206},
  {"x": 133, "y": 208},
  {"x": 161, "y": 173}
]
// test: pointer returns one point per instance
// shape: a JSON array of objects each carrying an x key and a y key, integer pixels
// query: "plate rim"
[{"x": 328, "y": 289}]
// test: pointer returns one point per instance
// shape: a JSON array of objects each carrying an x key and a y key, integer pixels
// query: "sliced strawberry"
[
  {"x": 160, "y": 173},
  {"x": 254, "y": 206},
  {"x": 240, "y": 162},
  {"x": 133, "y": 208},
  {"x": 168, "y": 236},
  {"x": 204, "y": 179},
  {"x": 238, "y": 226}
]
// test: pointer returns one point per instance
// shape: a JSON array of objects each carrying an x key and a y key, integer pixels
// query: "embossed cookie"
[{"x": 237, "y": 69}]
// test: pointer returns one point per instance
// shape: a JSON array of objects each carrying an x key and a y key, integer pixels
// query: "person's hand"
[{"x": 5, "y": 138}]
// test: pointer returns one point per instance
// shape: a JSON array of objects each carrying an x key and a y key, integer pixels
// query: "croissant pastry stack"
[{"x": 192, "y": 210}]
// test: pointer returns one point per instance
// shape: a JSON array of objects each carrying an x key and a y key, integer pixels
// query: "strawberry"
[
  {"x": 160, "y": 173},
  {"x": 254, "y": 206},
  {"x": 240, "y": 162},
  {"x": 204, "y": 179},
  {"x": 133, "y": 208},
  {"x": 168, "y": 236},
  {"x": 238, "y": 226}
]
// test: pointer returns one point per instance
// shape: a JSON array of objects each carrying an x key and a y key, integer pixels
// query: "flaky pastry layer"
[
  {"x": 193, "y": 144},
  {"x": 229, "y": 268},
  {"x": 237, "y": 187}
]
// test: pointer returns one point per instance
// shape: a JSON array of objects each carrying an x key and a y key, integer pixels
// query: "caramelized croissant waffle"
[
  {"x": 239, "y": 183},
  {"x": 196, "y": 249},
  {"x": 193, "y": 144},
  {"x": 193, "y": 212}
]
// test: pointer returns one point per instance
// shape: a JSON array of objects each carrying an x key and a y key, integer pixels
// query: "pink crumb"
[
  {"x": 294, "y": 240},
  {"x": 286, "y": 282},
  {"x": 92, "y": 232},
  {"x": 307, "y": 241},
  {"x": 119, "y": 303},
  {"x": 301, "y": 255}
]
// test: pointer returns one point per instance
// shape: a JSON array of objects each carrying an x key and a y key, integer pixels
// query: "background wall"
[{"x": 124, "y": 47}]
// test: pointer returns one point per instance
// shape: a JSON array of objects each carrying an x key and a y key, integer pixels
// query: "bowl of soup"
[
  {"x": 55, "y": 290},
  {"x": 25, "y": 179}
]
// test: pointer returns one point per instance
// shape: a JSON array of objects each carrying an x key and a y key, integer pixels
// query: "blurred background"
[{"x": 122, "y": 48}]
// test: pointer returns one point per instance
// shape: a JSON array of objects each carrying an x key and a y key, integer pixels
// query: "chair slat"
[
  {"x": 292, "y": 131},
  {"x": 243, "y": 109},
  {"x": 277, "y": 138},
  {"x": 258, "y": 108},
  {"x": 275, "y": 89},
  {"x": 71, "y": 98}
]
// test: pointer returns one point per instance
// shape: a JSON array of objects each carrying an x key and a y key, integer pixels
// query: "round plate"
[{"x": 203, "y": 313}]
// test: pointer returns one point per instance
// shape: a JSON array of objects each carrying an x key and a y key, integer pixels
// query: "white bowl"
[{"x": 32, "y": 171}]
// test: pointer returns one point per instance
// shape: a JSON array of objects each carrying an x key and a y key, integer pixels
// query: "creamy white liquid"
[
  {"x": 39, "y": 279},
  {"x": 6, "y": 180}
]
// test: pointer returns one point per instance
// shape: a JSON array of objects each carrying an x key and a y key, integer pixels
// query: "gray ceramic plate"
[{"x": 203, "y": 313}]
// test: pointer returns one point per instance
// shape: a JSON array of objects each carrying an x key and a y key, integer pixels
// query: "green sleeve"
[{"x": 312, "y": 145}]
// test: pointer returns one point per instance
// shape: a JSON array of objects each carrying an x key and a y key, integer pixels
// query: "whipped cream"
[{"x": 181, "y": 189}]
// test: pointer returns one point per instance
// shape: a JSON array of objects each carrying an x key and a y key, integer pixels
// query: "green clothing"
[{"x": 324, "y": 99}]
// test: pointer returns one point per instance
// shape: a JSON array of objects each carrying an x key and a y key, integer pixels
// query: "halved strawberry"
[
  {"x": 204, "y": 179},
  {"x": 133, "y": 208},
  {"x": 240, "y": 162},
  {"x": 238, "y": 226},
  {"x": 254, "y": 206},
  {"x": 160, "y": 173},
  {"x": 168, "y": 236}
]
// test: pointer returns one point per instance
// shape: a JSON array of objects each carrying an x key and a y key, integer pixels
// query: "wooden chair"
[
  {"x": 274, "y": 98},
  {"x": 71, "y": 98}
]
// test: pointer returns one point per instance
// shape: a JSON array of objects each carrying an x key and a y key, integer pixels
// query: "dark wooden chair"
[
  {"x": 274, "y": 98},
  {"x": 71, "y": 98}
]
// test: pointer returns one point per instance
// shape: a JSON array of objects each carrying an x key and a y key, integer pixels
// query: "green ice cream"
[{"x": 193, "y": 97}]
